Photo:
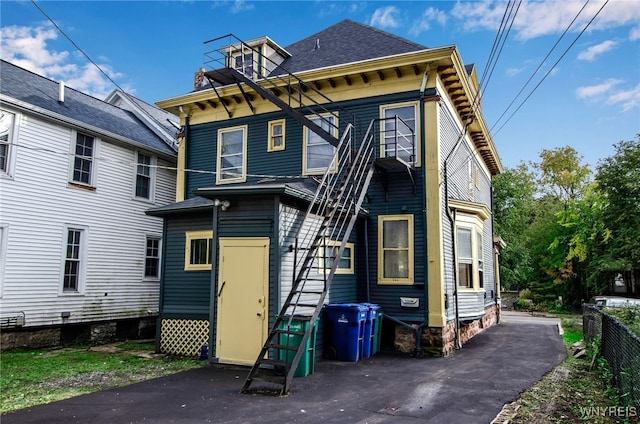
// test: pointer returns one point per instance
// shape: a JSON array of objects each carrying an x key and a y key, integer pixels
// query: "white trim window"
[
  {"x": 318, "y": 153},
  {"x": 395, "y": 249},
  {"x": 152, "y": 258},
  {"x": 145, "y": 176},
  {"x": 83, "y": 165},
  {"x": 232, "y": 158},
  {"x": 7, "y": 123},
  {"x": 243, "y": 62},
  {"x": 399, "y": 137},
  {"x": 4, "y": 235},
  {"x": 74, "y": 263}
]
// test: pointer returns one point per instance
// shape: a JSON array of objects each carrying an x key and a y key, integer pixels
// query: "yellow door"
[{"x": 243, "y": 287}]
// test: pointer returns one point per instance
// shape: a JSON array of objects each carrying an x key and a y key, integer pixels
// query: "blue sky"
[{"x": 590, "y": 100}]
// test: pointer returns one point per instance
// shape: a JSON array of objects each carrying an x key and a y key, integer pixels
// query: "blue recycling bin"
[
  {"x": 370, "y": 341},
  {"x": 345, "y": 322}
]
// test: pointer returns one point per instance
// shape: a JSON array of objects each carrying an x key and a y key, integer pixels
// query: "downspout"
[
  {"x": 452, "y": 220},
  {"x": 213, "y": 295},
  {"x": 366, "y": 258},
  {"x": 425, "y": 294},
  {"x": 496, "y": 263}
]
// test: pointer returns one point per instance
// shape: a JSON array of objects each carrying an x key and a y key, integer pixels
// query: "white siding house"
[{"x": 78, "y": 254}]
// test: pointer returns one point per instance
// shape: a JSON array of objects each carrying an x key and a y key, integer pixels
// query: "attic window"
[{"x": 243, "y": 62}]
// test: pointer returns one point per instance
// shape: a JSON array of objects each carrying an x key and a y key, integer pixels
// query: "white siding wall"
[
  {"x": 38, "y": 203},
  {"x": 290, "y": 221}
]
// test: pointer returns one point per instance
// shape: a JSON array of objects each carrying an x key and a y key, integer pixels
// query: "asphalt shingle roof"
[
  {"x": 33, "y": 89},
  {"x": 345, "y": 42}
]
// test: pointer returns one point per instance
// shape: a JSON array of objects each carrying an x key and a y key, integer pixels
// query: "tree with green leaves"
[
  {"x": 618, "y": 179},
  {"x": 513, "y": 194},
  {"x": 561, "y": 173}
]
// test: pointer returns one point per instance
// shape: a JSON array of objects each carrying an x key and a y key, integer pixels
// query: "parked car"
[{"x": 615, "y": 302}]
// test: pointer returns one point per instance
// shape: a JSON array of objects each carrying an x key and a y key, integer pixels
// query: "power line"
[
  {"x": 134, "y": 163},
  {"x": 541, "y": 64},
  {"x": 102, "y": 71},
  {"x": 76, "y": 46},
  {"x": 553, "y": 67},
  {"x": 503, "y": 41}
]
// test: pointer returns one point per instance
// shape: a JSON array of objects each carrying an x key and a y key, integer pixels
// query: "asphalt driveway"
[{"x": 470, "y": 386}]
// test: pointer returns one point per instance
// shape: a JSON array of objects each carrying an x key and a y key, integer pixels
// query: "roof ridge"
[{"x": 68, "y": 87}]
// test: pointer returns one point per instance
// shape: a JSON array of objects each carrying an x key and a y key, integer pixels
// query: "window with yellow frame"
[
  {"x": 276, "y": 135},
  {"x": 395, "y": 249},
  {"x": 317, "y": 152},
  {"x": 470, "y": 219},
  {"x": 197, "y": 252},
  {"x": 400, "y": 127},
  {"x": 326, "y": 260}
]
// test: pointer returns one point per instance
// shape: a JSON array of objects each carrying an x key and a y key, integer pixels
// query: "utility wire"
[
  {"x": 102, "y": 71},
  {"x": 553, "y": 67},
  {"x": 504, "y": 40},
  {"x": 541, "y": 64}
]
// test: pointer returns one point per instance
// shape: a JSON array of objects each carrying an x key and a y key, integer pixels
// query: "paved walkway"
[{"x": 470, "y": 386}]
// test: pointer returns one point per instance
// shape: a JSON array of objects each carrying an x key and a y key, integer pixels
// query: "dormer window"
[{"x": 243, "y": 62}]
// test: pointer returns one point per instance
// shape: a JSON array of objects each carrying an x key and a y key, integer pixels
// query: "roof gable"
[
  {"x": 345, "y": 42},
  {"x": 35, "y": 92}
]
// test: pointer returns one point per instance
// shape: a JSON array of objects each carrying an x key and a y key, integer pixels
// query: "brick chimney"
[{"x": 198, "y": 81}]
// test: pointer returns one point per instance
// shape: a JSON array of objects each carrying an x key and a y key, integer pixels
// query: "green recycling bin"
[{"x": 308, "y": 361}]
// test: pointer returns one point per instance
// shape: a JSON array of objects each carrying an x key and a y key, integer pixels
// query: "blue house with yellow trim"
[{"x": 350, "y": 166}]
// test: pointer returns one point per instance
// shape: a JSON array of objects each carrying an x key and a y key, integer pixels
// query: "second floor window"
[
  {"x": 399, "y": 134},
  {"x": 319, "y": 152},
  {"x": 232, "y": 160},
  {"x": 144, "y": 176},
  {"x": 276, "y": 136},
  {"x": 83, "y": 159},
  {"x": 6, "y": 129}
]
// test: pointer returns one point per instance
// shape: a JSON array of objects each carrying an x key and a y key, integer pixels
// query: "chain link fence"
[{"x": 619, "y": 346}]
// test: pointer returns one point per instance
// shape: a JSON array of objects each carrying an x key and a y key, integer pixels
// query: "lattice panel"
[{"x": 183, "y": 336}]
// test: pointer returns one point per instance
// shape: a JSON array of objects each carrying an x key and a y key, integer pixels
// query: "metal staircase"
[
  {"x": 238, "y": 62},
  {"x": 333, "y": 210},
  {"x": 331, "y": 216}
]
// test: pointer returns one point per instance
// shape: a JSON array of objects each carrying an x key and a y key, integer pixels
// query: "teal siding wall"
[
  {"x": 400, "y": 197},
  {"x": 185, "y": 294}
]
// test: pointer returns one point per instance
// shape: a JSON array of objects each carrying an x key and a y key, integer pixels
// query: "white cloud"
[
  {"x": 597, "y": 90},
  {"x": 512, "y": 72},
  {"x": 424, "y": 23},
  {"x": 385, "y": 17},
  {"x": 634, "y": 34},
  {"x": 241, "y": 6},
  {"x": 607, "y": 92},
  {"x": 28, "y": 47},
  {"x": 539, "y": 18},
  {"x": 629, "y": 99},
  {"x": 593, "y": 51}
]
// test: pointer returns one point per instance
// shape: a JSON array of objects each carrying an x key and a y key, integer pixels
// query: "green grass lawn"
[{"x": 33, "y": 377}]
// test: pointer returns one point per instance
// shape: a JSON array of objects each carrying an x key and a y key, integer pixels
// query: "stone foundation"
[
  {"x": 96, "y": 332},
  {"x": 440, "y": 341}
]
